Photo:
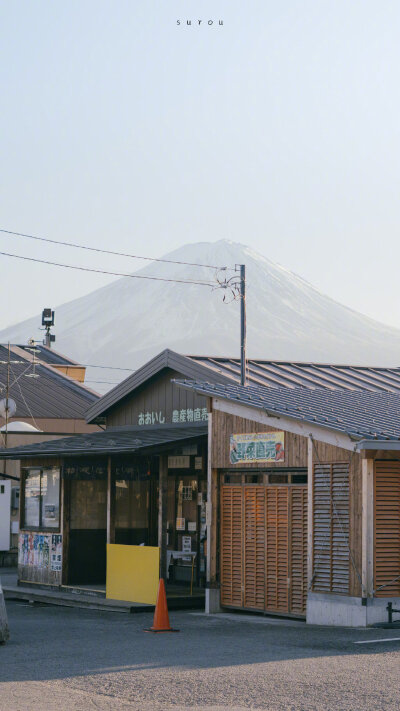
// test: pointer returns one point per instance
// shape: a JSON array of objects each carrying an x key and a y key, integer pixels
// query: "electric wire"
[
  {"x": 108, "y": 251},
  {"x": 106, "y": 367},
  {"x": 103, "y": 271},
  {"x": 104, "y": 382},
  {"x": 25, "y": 402}
]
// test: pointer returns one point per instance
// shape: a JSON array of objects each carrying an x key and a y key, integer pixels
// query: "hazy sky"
[{"x": 279, "y": 129}]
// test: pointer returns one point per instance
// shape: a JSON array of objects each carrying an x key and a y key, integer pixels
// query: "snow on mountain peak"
[{"x": 130, "y": 320}]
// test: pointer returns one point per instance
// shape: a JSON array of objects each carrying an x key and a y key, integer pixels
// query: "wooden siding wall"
[
  {"x": 224, "y": 425},
  {"x": 158, "y": 395},
  {"x": 296, "y": 455}
]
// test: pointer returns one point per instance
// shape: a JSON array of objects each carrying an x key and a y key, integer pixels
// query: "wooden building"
[
  {"x": 303, "y": 502},
  {"x": 51, "y": 401},
  {"x": 266, "y": 534}
]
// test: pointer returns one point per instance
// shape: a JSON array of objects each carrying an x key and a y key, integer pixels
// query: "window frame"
[{"x": 45, "y": 529}]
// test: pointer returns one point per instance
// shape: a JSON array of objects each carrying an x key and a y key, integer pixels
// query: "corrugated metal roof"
[
  {"x": 116, "y": 440},
  {"x": 361, "y": 414},
  {"x": 276, "y": 374},
  {"x": 48, "y": 355},
  {"x": 50, "y": 395},
  {"x": 271, "y": 374}
]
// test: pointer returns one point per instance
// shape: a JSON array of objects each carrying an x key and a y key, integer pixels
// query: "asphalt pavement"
[{"x": 66, "y": 659}]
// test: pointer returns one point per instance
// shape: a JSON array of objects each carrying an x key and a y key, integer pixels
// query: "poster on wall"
[
  {"x": 257, "y": 447},
  {"x": 56, "y": 552},
  {"x": 34, "y": 549}
]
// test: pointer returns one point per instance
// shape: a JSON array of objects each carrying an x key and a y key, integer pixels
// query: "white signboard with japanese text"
[{"x": 158, "y": 417}]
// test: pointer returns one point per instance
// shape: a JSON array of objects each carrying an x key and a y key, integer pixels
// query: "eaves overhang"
[
  {"x": 384, "y": 444},
  {"x": 273, "y": 413}
]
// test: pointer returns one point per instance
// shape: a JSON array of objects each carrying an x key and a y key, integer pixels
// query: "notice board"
[{"x": 257, "y": 447}]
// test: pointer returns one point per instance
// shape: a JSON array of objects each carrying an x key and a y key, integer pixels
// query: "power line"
[
  {"x": 104, "y": 382},
  {"x": 25, "y": 402},
  {"x": 102, "y": 271},
  {"x": 106, "y": 367},
  {"x": 108, "y": 251}
]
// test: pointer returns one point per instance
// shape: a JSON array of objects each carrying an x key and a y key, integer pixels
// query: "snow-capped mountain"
[{"x": 130, "y": 320}]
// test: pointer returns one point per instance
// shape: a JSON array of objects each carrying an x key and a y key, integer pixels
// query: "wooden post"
[
  {"x": 212, "y": 529},
  {"x": 65, "y": 518},
  {"x": 212, "y": 592},
  {"x": 162, "y": 513},
  {"x": 367, "y": 562},
  {"x": 110, "y": 504},
  {"x": 310, "y": 480}
]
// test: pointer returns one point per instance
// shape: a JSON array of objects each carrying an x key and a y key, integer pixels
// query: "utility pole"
[
  {"x": 7, "y": 408},
  {"x": 242, "y": 293},
  {"x": 7, "y": 401}
]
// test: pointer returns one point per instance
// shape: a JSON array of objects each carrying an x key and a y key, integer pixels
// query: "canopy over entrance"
[{"x": 114, "y": 440}]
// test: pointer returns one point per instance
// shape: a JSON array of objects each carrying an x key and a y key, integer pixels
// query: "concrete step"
[
  {"x": 64, "y": 599},
  {"x": 96, "y": 602}
]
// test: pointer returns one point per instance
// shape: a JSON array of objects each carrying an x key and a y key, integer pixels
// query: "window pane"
[
  {"x": 32, "y": 498},
  {"x": 278, "y": 479},
  {"x": 50, "y": 498},
  {"x": 132, "y": 501},
  {"x": 299, "y": 478}
]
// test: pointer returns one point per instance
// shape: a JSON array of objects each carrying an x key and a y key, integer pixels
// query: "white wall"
[{"x": 5, "y": 510}]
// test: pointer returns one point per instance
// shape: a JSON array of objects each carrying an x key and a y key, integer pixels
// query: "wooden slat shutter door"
[
  {"x": 231, "y": 546},
  {"x": 254, "y": 547},
  {"x": 387, "y": 529},
  {"x": 331, "y": 556},
  {"x": 322, "y": 528},
  {"x": 277, "y": 549},
  {"x": 340, "y": 529},
  {"x": 298, "y": 553}
]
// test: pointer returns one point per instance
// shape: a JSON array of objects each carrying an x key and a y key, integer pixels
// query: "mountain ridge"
[{"x": 130, "y": 320}]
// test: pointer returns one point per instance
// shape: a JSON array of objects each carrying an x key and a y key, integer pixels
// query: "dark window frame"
[
  {"x": 39, "y": 528},
  {"x": 242, "y": 477}
]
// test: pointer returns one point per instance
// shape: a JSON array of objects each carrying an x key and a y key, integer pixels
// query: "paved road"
[{"x": 61, "y": 659}]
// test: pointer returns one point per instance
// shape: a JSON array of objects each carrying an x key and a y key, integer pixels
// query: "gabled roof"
[
  {"x": 47, "y": 355},
  {"x": 42, "y": 391},
  {"x": 361, "y": 414},
  {"x": 115, "y": 440},
  {"x": 165, "y": 359},
  {"x": 271, "y": 374}
]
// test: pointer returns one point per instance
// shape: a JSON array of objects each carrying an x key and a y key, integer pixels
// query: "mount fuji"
[{"x": 130, "y": 320}]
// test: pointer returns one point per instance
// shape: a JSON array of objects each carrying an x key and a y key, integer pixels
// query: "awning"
[{"x": 115, "y": 440}]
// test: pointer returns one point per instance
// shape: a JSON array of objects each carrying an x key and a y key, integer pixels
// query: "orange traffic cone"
[{"x": 161, "y": 617}]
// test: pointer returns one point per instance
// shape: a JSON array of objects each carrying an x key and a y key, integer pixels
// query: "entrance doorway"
[
  {"x": 87, "y": 532},
  {"x": 263, "y": 531},
  {"x": 186, "y": 529},
  {"x": 136, "y": 512}
]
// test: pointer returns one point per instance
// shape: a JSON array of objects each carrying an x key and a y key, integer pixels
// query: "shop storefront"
[
  {"x": 72, "y": 506},
  {"x": 303, "y": 503}
]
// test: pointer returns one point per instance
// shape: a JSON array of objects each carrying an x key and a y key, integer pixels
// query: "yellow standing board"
[{"x": 132, "y": 573}]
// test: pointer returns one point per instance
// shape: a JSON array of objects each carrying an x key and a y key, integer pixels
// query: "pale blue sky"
[{"x": 279, "y": 130}]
